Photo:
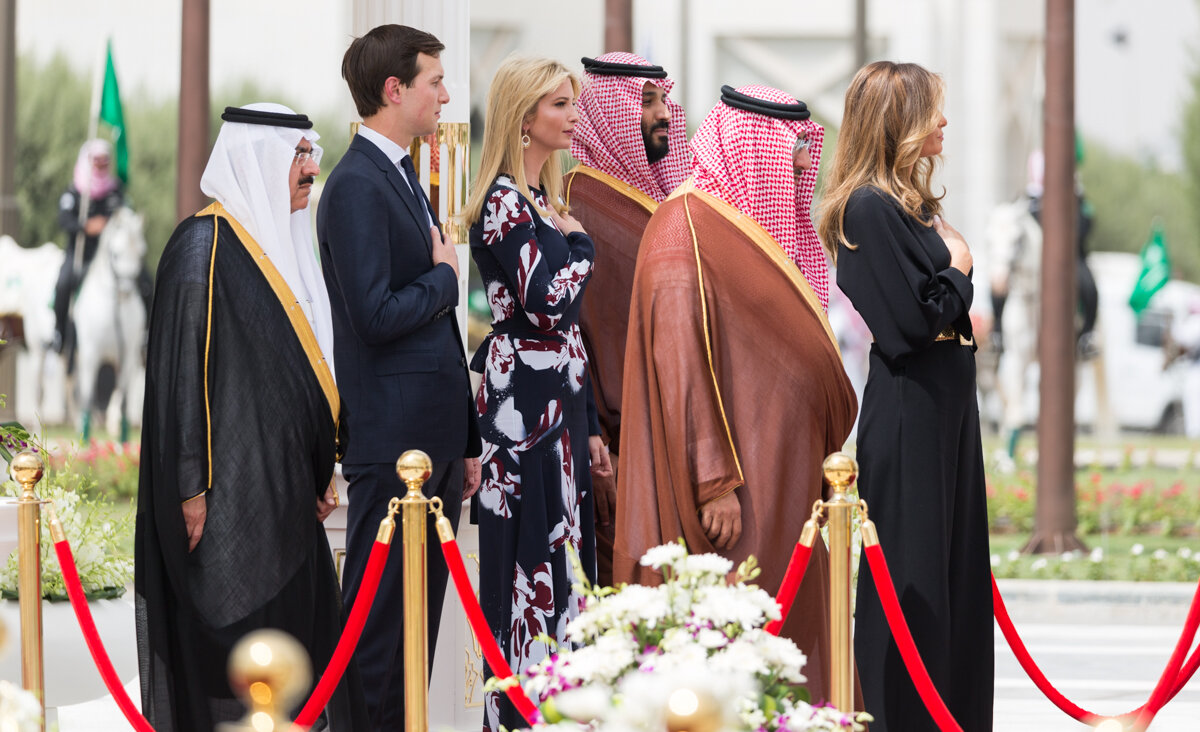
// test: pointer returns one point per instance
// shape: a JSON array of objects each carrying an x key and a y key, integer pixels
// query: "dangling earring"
[{"x": 525, "y": 140}]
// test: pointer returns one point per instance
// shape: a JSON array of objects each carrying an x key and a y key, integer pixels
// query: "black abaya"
[
  {"x": 921, "y": 469},
  {"x": 255, "y": 433}
]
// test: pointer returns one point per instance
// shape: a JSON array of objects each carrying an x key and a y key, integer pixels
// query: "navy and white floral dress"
[{"x": 535, "y": 416}]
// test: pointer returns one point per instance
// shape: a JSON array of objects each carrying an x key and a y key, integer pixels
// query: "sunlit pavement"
[{"x": 1102, "y": 644}]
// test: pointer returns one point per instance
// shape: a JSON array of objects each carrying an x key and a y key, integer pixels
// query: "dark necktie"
[{"x": 415, "y": 183}]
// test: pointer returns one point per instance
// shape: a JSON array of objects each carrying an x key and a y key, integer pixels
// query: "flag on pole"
[
  {"x": 1156, "y": 270},
  {"x": 111, "y": 114}
]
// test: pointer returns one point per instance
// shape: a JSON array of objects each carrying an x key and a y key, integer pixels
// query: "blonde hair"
[
  {"x": 890, "y": 111},
  {"x": 519, "y": 84}
]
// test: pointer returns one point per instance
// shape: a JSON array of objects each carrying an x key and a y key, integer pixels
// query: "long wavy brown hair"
[{"x": 890, "y": 110}]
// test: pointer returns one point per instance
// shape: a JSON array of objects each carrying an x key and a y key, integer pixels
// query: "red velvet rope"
[
  {"x": 792, "y": 578},
  {"x": 1163, "y": 689},
  {"x": 908, "y": 649},
  {"x": 87, "y": 624},
  {"x": 329, "y": 679},
  {"x": 1174, "y": 677},
  {"x": 349, "y": 640},
  {"x": 491, "y": 652}
]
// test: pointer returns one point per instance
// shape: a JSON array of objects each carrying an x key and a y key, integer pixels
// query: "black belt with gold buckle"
[{"x": 950, "y": 333}]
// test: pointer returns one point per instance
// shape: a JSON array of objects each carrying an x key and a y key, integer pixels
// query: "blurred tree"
[
  {"x": 1127, "y": 195},
  {"x": 1189, "y": 134},
  {"x": 52, "y": 122},
  {"x": 52, "y": 118}
]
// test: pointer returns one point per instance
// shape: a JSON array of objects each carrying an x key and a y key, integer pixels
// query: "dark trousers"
[{"x": 380, "y": 653}]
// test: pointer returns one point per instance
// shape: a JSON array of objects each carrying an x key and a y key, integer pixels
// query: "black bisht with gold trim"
[{"x": 234, "y": 409}]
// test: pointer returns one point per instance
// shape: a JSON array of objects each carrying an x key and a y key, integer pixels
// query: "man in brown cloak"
[
  {"x": 734, "y": 391},
  {"x": 631, "y": 141}
]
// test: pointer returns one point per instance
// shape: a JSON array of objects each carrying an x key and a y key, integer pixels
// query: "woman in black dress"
[
  {"x": 539, "y": 427},
  {"x": 907, "y": 272}
]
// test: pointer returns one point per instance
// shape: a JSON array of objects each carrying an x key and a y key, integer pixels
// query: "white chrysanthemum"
[
  {"x": 738, "y": 656},
  {"x": 19, "y": 709},
  {"x": 604, "y": 661},
  {"x": 712, "y": 564},
  {"x": 740, "y": 606},
  {"x": 682, "y": 658},
  {"x": 708, "y": 638},
  {"x": 663, "y": 555},
  {"x": 780, "y": 654},
  {"x": 585, "y": 703}
]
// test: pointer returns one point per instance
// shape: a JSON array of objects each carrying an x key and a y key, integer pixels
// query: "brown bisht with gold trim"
[
  {"x": 240, "y": 408},
  {"x": 614, "y": 214},
  {"x": 733, "y": 381}
]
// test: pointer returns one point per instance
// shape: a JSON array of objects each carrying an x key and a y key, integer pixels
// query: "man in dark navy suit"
[{"x": 398, "y": 355}]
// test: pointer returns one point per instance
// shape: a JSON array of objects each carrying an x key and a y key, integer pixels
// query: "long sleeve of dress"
[
  {"x": 899, "y": 276},
  {"x": 510, "y": 235}
]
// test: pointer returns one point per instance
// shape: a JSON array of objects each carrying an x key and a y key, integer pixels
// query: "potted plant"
[
  {"x": 696, "y": 640},
  {"x": 100, "y": 537}
]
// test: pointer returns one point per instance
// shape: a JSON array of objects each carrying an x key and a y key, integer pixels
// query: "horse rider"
[{"x": 95, "y": 183}]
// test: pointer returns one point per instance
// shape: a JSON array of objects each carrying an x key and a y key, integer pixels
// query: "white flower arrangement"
[
  {"x": 97, "y": 534},
  {"x": 638, "y": 646},
  {"x": 19, "y": 709}
]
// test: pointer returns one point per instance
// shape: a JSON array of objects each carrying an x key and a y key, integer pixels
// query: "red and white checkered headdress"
[
  {"x": 608, "y": 135},
  {"x": 745, "y": 158}
]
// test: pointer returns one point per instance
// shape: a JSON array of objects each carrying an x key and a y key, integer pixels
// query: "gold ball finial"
[
  {"x": 414, "y": 468},
  {"x": 270, "y": 672},
  {"x": 691, "y": 710},
  {"x": 27, "y": 469},
  {"x": 840, "y": 471}
]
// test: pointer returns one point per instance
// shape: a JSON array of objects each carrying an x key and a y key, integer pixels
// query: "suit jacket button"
[{"x": 462, "y": 362}]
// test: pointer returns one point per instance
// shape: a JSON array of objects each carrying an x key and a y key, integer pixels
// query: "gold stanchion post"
[
  {"x": 270, "y": 672},
  {"x": 27, "y": 469},
  {"x": 414, "y": 468},
  {"x": 841, "y": 471}
]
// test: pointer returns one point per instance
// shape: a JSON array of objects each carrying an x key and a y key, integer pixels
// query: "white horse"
[
  {"x": 27, "y": 289},
  {"x": 110, "y": 322}
]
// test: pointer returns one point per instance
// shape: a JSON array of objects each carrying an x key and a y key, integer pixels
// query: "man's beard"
[{"x": 656, "y": 151}]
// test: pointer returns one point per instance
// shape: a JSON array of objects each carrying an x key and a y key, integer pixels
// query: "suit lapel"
[{"x": 411, "y": 199}]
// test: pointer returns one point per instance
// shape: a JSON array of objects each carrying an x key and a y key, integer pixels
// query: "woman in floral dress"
[{"x": 539, "y": 428}]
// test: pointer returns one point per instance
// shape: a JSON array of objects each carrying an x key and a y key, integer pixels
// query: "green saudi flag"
[
  {"x": 111, "y": 114},
  {"x": 1156, "y": 270}
]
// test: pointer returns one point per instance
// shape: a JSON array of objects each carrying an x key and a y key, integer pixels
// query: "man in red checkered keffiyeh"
[
  {"x": 631, "y": 142},
  {"x": 628, "y": 127},
  {"x": 733, "y": 386},
  {"x": 749, "y": 155}
]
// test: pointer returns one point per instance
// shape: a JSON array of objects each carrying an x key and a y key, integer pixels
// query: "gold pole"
[
  {"x": 270, "y": 672},
  {"x": 841, "y": 471},
  {"x": 27, "y": 469},
  {"x": 414, "y": 468},
  {"x": 456, "y": 136}
]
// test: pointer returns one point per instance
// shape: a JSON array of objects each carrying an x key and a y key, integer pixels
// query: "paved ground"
[{"x": 1102, "y": 644}]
